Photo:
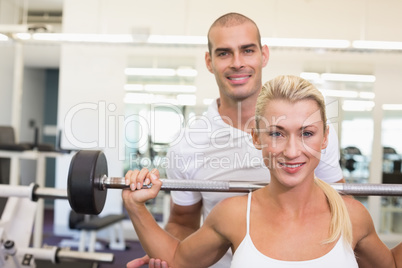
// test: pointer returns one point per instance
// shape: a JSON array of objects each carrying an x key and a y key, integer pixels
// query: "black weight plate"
[{"x": 84, "y": 194}]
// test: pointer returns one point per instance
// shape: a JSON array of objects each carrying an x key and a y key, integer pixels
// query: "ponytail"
[{"x": 340, "y": 220}]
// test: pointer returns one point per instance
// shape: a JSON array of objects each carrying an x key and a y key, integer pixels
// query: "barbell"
[{"x": 88, "y": 182}]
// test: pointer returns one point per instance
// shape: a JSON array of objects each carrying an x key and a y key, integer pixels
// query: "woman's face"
[{"x": 291, "y": 137}]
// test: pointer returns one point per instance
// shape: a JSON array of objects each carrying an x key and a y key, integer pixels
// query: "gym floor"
[{"x": 134, "y": 249}]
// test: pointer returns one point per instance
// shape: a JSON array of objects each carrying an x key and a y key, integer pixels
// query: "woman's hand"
[{"x": 135, "y": 195}]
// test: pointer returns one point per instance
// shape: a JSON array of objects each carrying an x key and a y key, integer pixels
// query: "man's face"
[{"x": 236, "y": 59}]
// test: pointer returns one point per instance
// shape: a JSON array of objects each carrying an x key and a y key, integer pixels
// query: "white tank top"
[{"x": 247, "y": 255}]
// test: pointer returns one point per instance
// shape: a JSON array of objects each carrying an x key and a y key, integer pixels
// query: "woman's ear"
[
  {"x": 256, "y": 139},
  {"x": 325, "y": 140}
]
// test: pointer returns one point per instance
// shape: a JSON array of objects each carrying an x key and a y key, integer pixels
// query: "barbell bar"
[
  {"x": 362, "y": 189},
  {"x": 357, "y": 189},
  {"x": 88, "y": 182}
]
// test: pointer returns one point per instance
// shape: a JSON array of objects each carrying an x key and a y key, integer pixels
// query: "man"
[{"x": 218, "y": 146}]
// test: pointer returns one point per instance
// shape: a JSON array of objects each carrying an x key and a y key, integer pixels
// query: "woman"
[{"x": 295, "y": 221}]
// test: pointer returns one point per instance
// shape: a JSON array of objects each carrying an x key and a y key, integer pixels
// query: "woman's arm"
[
  {"x": 200, "y": 249},
  {"x": 397, "y": 252},
  {"x": 370, "y": 250}
]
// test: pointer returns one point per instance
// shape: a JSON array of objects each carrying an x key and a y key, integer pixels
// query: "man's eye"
[{"x": 222, "y": 54}]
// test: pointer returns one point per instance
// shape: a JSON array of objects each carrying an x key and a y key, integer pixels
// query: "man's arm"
[
  {"x": 341, "y": 181},
  {"x": 184, "y": 220}
]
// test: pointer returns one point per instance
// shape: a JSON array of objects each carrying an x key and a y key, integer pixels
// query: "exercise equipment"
[
  {"x": 25, "y": 257},
  {"x": 88, "y": 184},
  {"x": 16, "y": 224},
  {"x": 89, "y": 225}
]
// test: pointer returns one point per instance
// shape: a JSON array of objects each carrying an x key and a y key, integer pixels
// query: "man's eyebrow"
[
  {"x": 225, "y": 49},
  {"x": 248, "y": 46},
  {"x": 222, "y": 49}
]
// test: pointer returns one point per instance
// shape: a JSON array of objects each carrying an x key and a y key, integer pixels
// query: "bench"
[{"x": 90, "y": 225}]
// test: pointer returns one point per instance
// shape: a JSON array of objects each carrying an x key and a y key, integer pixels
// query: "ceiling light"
[
  {"x": 91, "y": 38},
  {"x": 348, "y": 77},
  {"x": 392, "y": 107},
  {"x": 386, "y": 45},
  {"x": 310, "y": 76},
  {"x": 357, "y": 106},
  {"x": 309, "y": 43},
  {"x": 347, "y": 94},
  {"x": 177, "y": 39},
  {"x": 170, "y": 88},
  {"x": 186, "y": 99},
  {"x": 338, "y": 77},
  {"x": 146, "y": 98},
  {"x": 202, "y": 40},
  {"x": 139, "y": 98},
  {"x": 161, "y": 88},
  {"x": 150, "y": 71},
  {"x": 133, "y": 87},
  {"x": 188, "y": 72},
  {"x": 339, "y": 93},
  {"x": 367, "y": 95},
  {"x": 3, "y": 37},
  {"x": 23, "y": 36}
]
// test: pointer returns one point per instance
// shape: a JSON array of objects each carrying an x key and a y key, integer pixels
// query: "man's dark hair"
[{"x": 232, "y": 19}]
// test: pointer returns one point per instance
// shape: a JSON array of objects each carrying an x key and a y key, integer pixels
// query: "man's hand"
[
  {"x": 152, "y": 263},
  {"x": 136, "y": 263}
]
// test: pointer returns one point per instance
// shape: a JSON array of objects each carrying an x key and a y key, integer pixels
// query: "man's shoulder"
[
  {"x": 196, "y": 135},
  {"x": 188, "y": 145}
]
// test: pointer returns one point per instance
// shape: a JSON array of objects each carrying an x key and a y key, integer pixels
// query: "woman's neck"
[{"x": 296, "y": 200}]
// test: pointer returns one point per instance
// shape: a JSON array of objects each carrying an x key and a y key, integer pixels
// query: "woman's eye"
[
  {"x": 307, "y": 134},
  {"x": 274, "y": 134}
]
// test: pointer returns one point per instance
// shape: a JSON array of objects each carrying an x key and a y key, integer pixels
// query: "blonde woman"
[{"x": 295, "y": 221}]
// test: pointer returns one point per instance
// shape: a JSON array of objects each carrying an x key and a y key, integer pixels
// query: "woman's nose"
[{"x": 292, "y": 148}]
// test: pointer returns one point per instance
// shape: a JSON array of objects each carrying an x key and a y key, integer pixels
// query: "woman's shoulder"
[
  {"x": 233, "y": 202},
  {"x": 229, "y": 208},
  {"x": 359, "y": 216},
  {"x": 231, "y": 212},
  {"x": 353, "y": 205}
]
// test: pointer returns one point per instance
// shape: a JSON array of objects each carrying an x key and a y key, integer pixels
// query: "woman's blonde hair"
[
  {"x": 290, "y": 88},
  {"x": 294, "y": 89},
  {"x": 340, "y": 220}
]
